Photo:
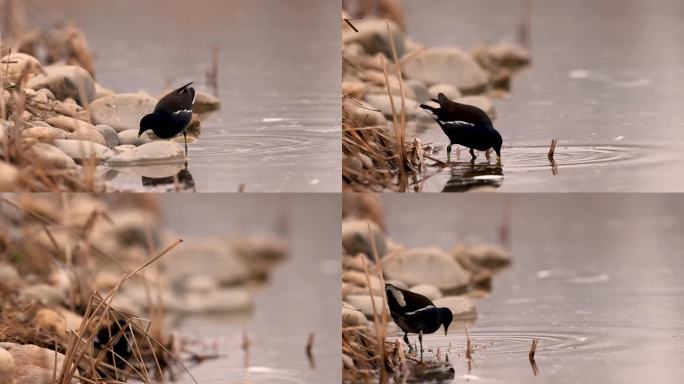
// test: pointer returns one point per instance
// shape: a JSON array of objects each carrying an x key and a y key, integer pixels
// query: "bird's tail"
[
  {"x": 428, "y": 108},
  {"x": 181, "y": 89}
]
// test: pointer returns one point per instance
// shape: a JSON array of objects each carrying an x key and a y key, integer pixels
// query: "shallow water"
[
  {"x": 597, "y": 279},
  {"x": 279, "y": 125},
  {"x": 293, "y": 304},
  {"x": 605, "y": 74}
]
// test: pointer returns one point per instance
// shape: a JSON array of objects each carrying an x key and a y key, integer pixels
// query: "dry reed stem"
[
  {"x": 552, "y": 149},
  {"x": 533, "y": 363},
  {"x": 469, "y": 346},
  {"x": 309, "y": 350}
]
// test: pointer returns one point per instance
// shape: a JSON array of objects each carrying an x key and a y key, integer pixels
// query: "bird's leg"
[
  {"x": 185, "y": 138},
  {"x": 449, "y": 153},
  {"x": 406, "y": 340},
  {"x": 472, "y": 153},
  {"x": 420, "y": 340}
]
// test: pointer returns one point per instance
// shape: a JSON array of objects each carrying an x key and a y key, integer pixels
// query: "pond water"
[
  {"x": 605, "y": 81},
  {"x": 596, "y": 278},
  {"x": 279, "y": 79},
  {"x": 297, "y": 301}
]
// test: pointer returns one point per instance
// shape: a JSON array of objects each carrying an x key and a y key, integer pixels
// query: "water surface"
[
  {"x": 596, "y": 278},
  {"x": 604, "y": 74},
  {"x": 301, "y": 297},
  {"x": 279, "y": 78}
]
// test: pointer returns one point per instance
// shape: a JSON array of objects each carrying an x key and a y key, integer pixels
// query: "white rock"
[
  {"x": 49, "y": 156},
  {"x": 7, "y": 367},
  {"x": 447, "y": 66},
  {"x": 9, "y": 175},
  {"x": 430, "y": 291},
  {"x": 66, "y": 82},
  {"x": 461, "y": 307},
  {"x": 156, "y": 152},
  {"x": 382, "y": 102},
  {"x": 80, "y": 150},
  {"x": 122, "y": 111},
  {"x": 426, "y": 266},
  {"x": 130, "y": 137},
  {"x": 356, "y": 238}
]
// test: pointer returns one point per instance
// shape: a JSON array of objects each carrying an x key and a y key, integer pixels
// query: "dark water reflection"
[
  {"x": 302, "y": 296},
  {"x": 279, "y": 78},
  {"x": 605, "y": 73},
  {"x": 596, "y": 278},
  {"x": 468, "y": 175}
]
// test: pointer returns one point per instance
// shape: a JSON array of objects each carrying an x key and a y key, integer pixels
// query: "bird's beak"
[{"x": 445, "y": 330}]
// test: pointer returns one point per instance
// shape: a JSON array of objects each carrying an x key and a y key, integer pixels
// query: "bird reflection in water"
[
  {"x": 468, "y": 175},
  {"x": 182, "y": 181}
]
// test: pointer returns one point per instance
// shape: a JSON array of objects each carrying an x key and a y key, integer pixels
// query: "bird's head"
[
  {"x": 147, "y": 123},
  {"x": 446, "y": 317},
  {"x": 497, "y": 143}
]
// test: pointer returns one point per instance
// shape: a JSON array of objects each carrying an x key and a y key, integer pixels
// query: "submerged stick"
[
  {"x": 533, "y": 350},
  {"x": 469, "y": 346},
  {"x": 309, "y": 350},
  {"x": 552, "y": 149}
]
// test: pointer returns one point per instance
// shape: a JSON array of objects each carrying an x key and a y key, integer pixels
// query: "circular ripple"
[
  {"x": 535, "y": 157},
  {"x": 246, "y": 145}
]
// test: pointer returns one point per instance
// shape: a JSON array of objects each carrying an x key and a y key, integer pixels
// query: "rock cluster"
[
  {"x": 472, "y": 77},
  {"x": 67, "y": 119}
]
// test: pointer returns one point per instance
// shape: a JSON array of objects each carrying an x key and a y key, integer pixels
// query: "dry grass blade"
[{"x": 309, "y": 350}]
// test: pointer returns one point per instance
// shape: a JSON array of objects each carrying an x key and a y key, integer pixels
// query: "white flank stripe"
[
  {"x": 183, "y": 111},
  {"x": 398, "y": 296},
  {"x": 418, "y": 310},
  {"x": 458, "y": 123}
]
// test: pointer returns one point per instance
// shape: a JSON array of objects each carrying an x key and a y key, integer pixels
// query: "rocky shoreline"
[
  {"x": 57, "y": 118},
  {"x": 57, "y": 255},
  {"x": 455, "y": 279},
  {"x": 371, "y": 81}
]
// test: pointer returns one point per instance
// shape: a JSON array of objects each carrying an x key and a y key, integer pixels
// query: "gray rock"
[
  {"x": 88, "y": 134},
  {"x": 156, "y": 152},
  {"x": 447, "y": 89},
  {"x": 49, "y": 156},
  {"x": 42, "y": 293},
  {"x": 447, "y": 66},
  {"x": 130, "y": 137},
  {"x": 205, "y": 102},
  {"x": 68, "y": 123},
  {"x": 352, "y": 317},
  {"x": 482, "y": 102},
  {"x": 356, "y": 239},
  {"x": 109, "y": 134},
  {"x": 374, "y": 37},
  {"x": 45, "y": 94},
  {"x": 428, "y": 290},
  {"x": 461, "y": 307},
  {"x": 122, "y": 111},
  {"x": 101, "y": 91},
  {"x": 66, "y": 82},
  {"x": 123, "y": 148},
  {"x": 382, "y": 102},
  {"x": 219, "y": 262},
  {"x": 426, "y": 266},
  {"x": 420, "y": 90},
  {"x": 9, "y": 275},
  {"x": 482, "y": 256},
  {"x": 81, "y": 150},
  {"x": 363, "y": 303},
  {"x": 216, "y": 301}
]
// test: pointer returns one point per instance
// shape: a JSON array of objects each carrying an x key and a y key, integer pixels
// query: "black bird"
[
  {"x": 171, "y": 115},
  {"x": 466, "y": 125},
  {"x": 116, "y": 339},
  {"x": 415, "y": 313}
]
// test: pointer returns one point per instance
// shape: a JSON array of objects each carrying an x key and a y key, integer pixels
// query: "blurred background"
[
  {"x": 596, "y": 278},
  {"x": 278, "y": 79}
]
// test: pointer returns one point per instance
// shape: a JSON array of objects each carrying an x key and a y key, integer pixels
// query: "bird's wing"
[
  {"x": 178, "y": 100},
  {"x": 406, "y": 301},
  {"x": 419, "y": 310}
]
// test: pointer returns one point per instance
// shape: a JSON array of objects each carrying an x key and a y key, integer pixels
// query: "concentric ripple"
[{"x": 536, "y": 157}]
